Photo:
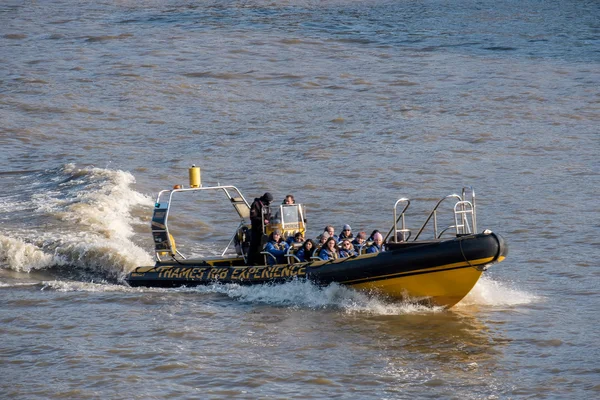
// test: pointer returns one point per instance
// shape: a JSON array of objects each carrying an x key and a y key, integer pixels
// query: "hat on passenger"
[
  {"x": 362, "y": 235},
  {"x": 346, "y": 228},
  {"x": 268, "y": 197},
  {"x": 378, "y": 236},
  {"x": 324, "y": 235}
]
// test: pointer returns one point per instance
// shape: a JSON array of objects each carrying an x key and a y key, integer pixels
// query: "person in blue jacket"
[
  {"x": 331, "y": 232},
  {"x": 329, "y": 250},
  {"x": 297, "y": 239},
  {"x": 277, "y": 247},
  {"x": 346, "y": 249},
  {"x": 307, "y": 250},
  {"x": 372, "y": 237},
  {"x": 377, "y": 245}
]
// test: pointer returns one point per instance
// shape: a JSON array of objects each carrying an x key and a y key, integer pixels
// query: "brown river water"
[{"x": 347, "y": 104}]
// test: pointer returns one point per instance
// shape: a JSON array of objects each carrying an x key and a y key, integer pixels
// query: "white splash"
[
  {"x": 75, "y": 286},
  {"x": 17, "y": 284},
  {"x": 488, "y": 292},
  {"x": 24, "y": 257},
  {"x": 87, "y": 223},
  {"x": 295, "y": 294},
  {"x": 301, "y": 293},
  {"x": 95, "y": 198}
]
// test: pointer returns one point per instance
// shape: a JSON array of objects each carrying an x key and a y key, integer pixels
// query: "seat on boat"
[
  {"x": 241, "y": 207},
  {"x": 272, "y": 259},
  {"x": 315, "y": 256},
  {"x": 291, "y": 253},
  {"x": 269, "y": 257}
]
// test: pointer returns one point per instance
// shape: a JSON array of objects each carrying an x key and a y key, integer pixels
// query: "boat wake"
[
  {"x": 73, "y": 219},
  {"x": 302, "y": 294},
  {"x": 297, "y": 294},
  {"x": 306, "y": 295}
]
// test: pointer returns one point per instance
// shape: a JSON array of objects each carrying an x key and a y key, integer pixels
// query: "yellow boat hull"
[{"x": 442, "y": 287}]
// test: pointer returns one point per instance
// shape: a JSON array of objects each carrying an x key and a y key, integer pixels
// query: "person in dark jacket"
[
  {"x": 346, "y": 233},
  {"x": 359, "y": 241},
  {"x": 277, "y": 247},
  {"x": 289, "y": 199},
  {"x": 307, "y": 250},
  {"x": 258, "y": 220}
]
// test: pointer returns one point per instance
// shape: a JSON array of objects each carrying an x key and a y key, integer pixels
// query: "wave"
[{"x": 74, "y": 217}]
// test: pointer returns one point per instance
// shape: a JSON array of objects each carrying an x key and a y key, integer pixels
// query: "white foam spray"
[
  {"x": 23, "y": 257},
  {"x": 295, "y": 294},
  {"x": 488, "y": 292},
  {"x": 78, "y": 217},
  {"x": 304, "y": 294}
]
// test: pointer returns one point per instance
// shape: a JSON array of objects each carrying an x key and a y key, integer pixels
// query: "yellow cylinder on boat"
[{"x": 195, "y": 180}]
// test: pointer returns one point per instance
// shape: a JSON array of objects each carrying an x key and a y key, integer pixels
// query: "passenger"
[
  {"x": 256, "y": 218},
  {"x": 346, "y": 233},
  {"x": 323, "y": 238},
  {"x": 276, "y": 247},
  {"x": 289, "y": 199},
  {"x": 331, "y": 231},
  {"x": 347, "y": 250},
  {"x": 307, "y": 250},
  {"x": 329, "y": 250},
  {"x": 376, "y": 247},
  {"x": 372, "y": 237},
  {"x": 359, "y": 241},
  {"x": 297, "y": 239}
]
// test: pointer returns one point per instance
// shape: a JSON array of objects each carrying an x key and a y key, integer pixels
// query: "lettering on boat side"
[{"x": 232, "y": 274}]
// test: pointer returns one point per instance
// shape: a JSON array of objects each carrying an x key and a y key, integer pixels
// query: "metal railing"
[
  {"x": 465, "y": 220},
  {"x": 163, "y": 241}
]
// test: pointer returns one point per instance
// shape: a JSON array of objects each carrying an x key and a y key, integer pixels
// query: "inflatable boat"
[{"x": 439, "y": 271}]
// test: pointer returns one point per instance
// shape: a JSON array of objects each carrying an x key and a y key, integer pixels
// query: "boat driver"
[{"x": 258, "y": 220}]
